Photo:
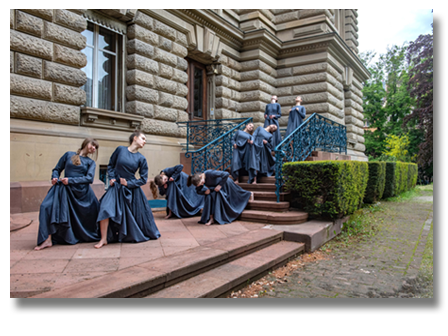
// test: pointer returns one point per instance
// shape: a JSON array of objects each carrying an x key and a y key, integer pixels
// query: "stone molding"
[{"x": 93, "y": 117}]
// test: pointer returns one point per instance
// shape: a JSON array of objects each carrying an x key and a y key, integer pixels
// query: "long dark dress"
[
  {"x": 225, "y": 205},
  {"x": 276, "y": 111},
  {"x": 264, "y": 160},
  {"x": 183, "y": 201},
  {"x": 296, "y": 116},
  {"x": 242, "y": 154},
  {"x": 130, "y": 216},
  {"x": 68, "y": 212}
]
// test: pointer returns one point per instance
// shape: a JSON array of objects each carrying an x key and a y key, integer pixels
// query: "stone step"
[
  {"x": 258, "y": 186},
  {"x": 269, "y": 217},
  {"x": 270, "y": 196},
  {"x": 145, "y": 278},
  {"x": 268, "y": 206},
  {"x": 264, "y": 179},
  {"x": 224, "y": 278}
]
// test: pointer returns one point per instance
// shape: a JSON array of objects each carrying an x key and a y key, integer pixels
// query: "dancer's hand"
[
  {"x": 217, "y": 188},
  {"x": 234, "y": 146},
  {"x": 54, "y": 180},
  {"x": 64, "y": 180},
  {"x": 171, "y": 179},
  {"x": 272, "y": 117},
  {"x": 165, "y": 186},
  {"x": 265, "y": 116},
  {"x": 111, "y": 182},
  {"x": 123, "y": 182},
  {"x": 207, "y": 192},
  {"x": 265, "y": 142},
  {"x": 250, "y": 141}
]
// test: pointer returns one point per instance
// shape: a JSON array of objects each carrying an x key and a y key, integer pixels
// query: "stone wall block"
[
  {"x": 164, "y": 30},
  {"x": 163, "y": 113},
  {"x": 165, "y": 71},
  {"x": 160, "y": 127},
  {"x": 361, "y": 139},
  {"x": 70, "y": 20},
  {"x": 29, "y": 24},
  {"x": 257, "y": 116},
  {"x": 181, "y": 38},
  {"x": 283, "y": 91},
  {"x": 222, "y": 113},
  {"x": 180, "y": 76},
  {"x": 221, "y": 103},
  {"x": 166, "y": 99},
  {"x": 179, "y": 50},
  {"x": 353, "y": 96},
  {"x": 165, "y": 44},
  {"x": 180, "y": 103},
  {"x": 221, "y": 80},
  {"x": 138, "y": 62},
  {"x": 182, "y": 116},
  {"x": 25, "y": 108},
  {"x": 30, "y": 87},
  {"x": 286, "y": 72},
  {"x": 303, "y": 79},
  {"x": 223, "y": 70},
  {"x": 251, "y": 106},
  {"x": 144, "y": 20},
  {"x": 139, "y": 47},
  {"x": 222, "y": 91},
  {"x": 69, "y": 56},
  {"x": 28, "y": 65},
  {"x": 137, "y": 32},
  {"x": 355, "y": 129},
  {"x": 64, "y": 74},
  {"x": 12, "y": 62},
  {"x": 235, "y": 65},
  {"x": 353, "y": 121},
  {"x": 12, "y": 14},
  {"x": 68, "y": 94},
  {"x": 30, "y": 45},
  {"x": 292, "y": 16},
  {"x": 182, "y": 64},
  {"x": 181, "y": 90},
  {"x": 64, "y": 36},
  {"x": 140, "y": 78},
  {"x": 236, "y": 75},
  {"x": 257, "y": 85},
  {"x": 165, "y": 57},
  {"x": 143, "y": 94},
  {"x": 353, "y": 104},
  {"x": 140, "y": 108},
  {"x": 304, "y": 13},
  {"x": 165, "y": 85},
  {"x": 46, "y": 14}
]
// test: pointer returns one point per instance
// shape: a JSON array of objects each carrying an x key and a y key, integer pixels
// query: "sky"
[{"x": 380, "y": 28}]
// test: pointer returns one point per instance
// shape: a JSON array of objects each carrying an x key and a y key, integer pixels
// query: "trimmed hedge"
[
  {"x": 330, "y": 189},
  {"x": 376, "y": 182},
  {"x": 389, "y": 186},
  {"x": 400, "y": 177}
]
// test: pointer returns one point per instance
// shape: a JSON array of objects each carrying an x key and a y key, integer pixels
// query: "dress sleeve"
[
  {"x": 112, "y": 163},
  {"x": 220, "y": 176},
  {"x": 59, "y": 167},
  {"x": 162, "y": 191},
  {"x": 269, "y": 144},
  {"x": 88, "y": 178},
  {"x": 177, "y": 171},
  {"x": 302, "y": 112},
  {"x": 279, "y": 111},
  {"x": 234, "y": 138},
  {"x": 201, "y": 190},
  {"x": 143, "y": 171}
]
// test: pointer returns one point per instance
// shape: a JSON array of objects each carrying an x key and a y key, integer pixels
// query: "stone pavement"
[
  {"x": 33, "y": 272},
  {"x": 385, "y": 265}
]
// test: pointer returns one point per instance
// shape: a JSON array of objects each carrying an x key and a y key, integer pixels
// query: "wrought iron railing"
[
  {"x": 315, "y": 133},
  {"x": 202, "y": 132},
  {"x": 217, "y": 154}
]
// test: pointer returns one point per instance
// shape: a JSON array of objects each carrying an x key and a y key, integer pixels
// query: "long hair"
[
  {"x": 158, "y": 182},
  {"x": 194, "y": 179},
  {"x": 136, "y": 133},
  {"x": 75, "y": 158}
]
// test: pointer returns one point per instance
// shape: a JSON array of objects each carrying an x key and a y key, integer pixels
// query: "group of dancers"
[{"x": 71, "y": 213}]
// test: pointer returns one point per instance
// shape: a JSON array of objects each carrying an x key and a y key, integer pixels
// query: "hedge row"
[
  {"x": 327, "y": 188},
  {"x": 333, "y": 189}
]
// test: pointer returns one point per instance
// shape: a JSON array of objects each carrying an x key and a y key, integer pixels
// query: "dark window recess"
[{"x": 103, "y": 175}]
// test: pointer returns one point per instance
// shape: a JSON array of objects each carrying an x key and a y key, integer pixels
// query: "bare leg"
[
  {"x": 210, "y": 221},
  {"x": 104, "y": 224},
  {"x": 255, "y": 179},
  {"x": 252, "y": 197},
  {"x": 46, "y": 243},
  {"x": 169, "y": 214}
]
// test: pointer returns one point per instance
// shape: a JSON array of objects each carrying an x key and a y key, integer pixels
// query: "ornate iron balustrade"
[
  {"x": 315, "y": 133},
  {"x": 218, "y": 153},
  {"x": 202, "y": 132}
]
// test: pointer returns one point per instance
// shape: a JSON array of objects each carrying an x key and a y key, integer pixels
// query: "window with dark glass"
[
  {"x": 103, "y": 69},
  {"x": 196, "y": 90}
]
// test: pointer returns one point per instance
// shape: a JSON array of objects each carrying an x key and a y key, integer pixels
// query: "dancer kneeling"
[
  {"x": 68, "y": 212},
  {"x": 182, "y": 200},
  {"x": 242, "y": 152},
  {"x": 264, "y": 160},
  {"x": 125, "y": 214},
  {"x": 224, "y": 200}
]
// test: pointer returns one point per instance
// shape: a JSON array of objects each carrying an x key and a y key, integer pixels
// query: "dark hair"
[
  {"x": 250, "y": 132},
  {"x": 158, "y": 181},
  {"x": 136, "y": 133},
  {"x": 194, "y": 179},
  {"x": 75, "y": 158}
]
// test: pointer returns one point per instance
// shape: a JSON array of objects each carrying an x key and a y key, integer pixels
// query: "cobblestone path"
[{"x": 385, "y": 265}]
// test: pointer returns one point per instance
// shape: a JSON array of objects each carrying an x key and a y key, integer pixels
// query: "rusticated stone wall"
[
  {"x": 45, "y": 65},
  {"x": 228, "y": 88}
]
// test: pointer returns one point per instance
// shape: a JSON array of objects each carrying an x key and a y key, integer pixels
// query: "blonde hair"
[
  {"x": 75, "y": 158},
  {"x": 154, "y": 184}
]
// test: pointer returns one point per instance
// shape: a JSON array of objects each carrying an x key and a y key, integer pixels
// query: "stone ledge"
[{"x": 94, "y": 117}]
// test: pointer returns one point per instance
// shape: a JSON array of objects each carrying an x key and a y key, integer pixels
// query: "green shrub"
[
  {"x": 412, "y": 175},
  {"x": 403, "y": 180},
  {"x": 329, "y": 189},
  {"x": 376, "y": 182},
  {"x": 390, "y": 185}
]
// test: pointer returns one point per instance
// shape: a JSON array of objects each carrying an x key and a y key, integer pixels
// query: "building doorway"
[{"x": 197, "y": 90}]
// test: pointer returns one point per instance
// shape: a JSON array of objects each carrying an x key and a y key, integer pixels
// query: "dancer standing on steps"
[
  {"x": 224, "y": 200},
  {"x": 263, "y": 158},
  {"x": 243, "y": 144},
  {"x": 273, "y": 112},
  {"x": 182, "y": 201},
  {"x": 296, "y": 116},
  {"x": 68, "y": 213},
  {"x": 125, "y": 214}
]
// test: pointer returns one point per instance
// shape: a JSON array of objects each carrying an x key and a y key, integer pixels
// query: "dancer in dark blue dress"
[
  {"x": 273, "y": 112},
  {"x": 68, "y": 213},
  {"x": 182, "y": 201},
  {"x": 296, "y": 116},
  {"x": 264, "y": 160},
  {"x": 125, "y": 214},
  {"x": 224, "y": 200},
  {"x": 243, "y": 144}
]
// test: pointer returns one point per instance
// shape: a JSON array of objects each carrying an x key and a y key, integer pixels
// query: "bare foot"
[
  {"x": 45, "y": 244},
  {"x": 101, "y": 243},
  {"x": 209, "y": 222},
  {"x": 252, "y": 197}
]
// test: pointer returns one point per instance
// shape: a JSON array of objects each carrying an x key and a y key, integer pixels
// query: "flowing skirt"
[
  {"x": 130, "y": 216},
  {"x": 183, "y": 201},
  {"x": 68, "y": 213}
]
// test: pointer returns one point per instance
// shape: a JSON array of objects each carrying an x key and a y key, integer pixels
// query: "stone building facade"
[{"x": 103, "y": 73}]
